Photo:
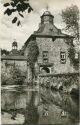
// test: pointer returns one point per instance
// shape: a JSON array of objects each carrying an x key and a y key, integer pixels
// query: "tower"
[
  {"x": 14, "y": 45},
  {"x": 47, "y": 17},
  {"x": 14, "y": 50}
]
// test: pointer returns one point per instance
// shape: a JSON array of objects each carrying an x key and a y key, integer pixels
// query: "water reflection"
[
  {"x": 18, "y": 99},
  {"x": 14, "y": 99}
]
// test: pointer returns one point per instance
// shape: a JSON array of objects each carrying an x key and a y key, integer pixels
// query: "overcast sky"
[{"x": 30, "y": 22}]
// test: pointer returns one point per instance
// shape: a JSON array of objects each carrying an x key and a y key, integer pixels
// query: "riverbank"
[
  {"x": 6, "y": 119},
  {"x": 54, "y": 99},
  {"x": 54, "y": 117}
]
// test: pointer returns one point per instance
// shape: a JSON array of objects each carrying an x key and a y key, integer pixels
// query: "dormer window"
[
  {"x": 63, "y": 57},
  {"x": 45, "y": 56}
]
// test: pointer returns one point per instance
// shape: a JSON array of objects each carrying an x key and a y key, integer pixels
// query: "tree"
[
  {"x": 17, "y": 6},
  {"x": 33, "y": 52},
  {"x": 3, "y": 51},
  {"x": 18, "y": 77},
  {"x": 31, "y": 115},
  {"x": 70, "y": 17},
  {"x": 14, "y": 77}
]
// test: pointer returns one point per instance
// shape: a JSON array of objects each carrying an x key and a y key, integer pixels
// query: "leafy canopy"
[
  {"x": 71, "y": 18},
  {"x": 17, "y": 6},
  {"x": 14, "y": 76},
  {"x": 3, "y": 51},
  {"x": 32, "y": 54}
]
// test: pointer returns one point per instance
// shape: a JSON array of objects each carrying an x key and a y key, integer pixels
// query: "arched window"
[{"x": 45, "y": 70}]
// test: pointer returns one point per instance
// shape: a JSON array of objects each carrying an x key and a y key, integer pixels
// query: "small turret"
[
  {"x": 47, "y": 17},
  {"x": 14, "y": 50},
  {"x": 14, "y": 45}
]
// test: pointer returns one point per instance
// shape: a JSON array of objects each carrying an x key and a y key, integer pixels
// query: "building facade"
[
  {"x": 53, "y": 59},
  {"x": 13, "y": 61}
]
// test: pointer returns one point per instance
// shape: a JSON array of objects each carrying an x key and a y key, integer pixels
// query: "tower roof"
[
  {"x": 47, "y": 29},
  {"x": 14, "y": 43},
  {"x": 47, "y": 13}
]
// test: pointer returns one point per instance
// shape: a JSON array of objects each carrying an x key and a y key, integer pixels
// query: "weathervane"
[
  {"x": 47, "y": 7},
  {"x": 14, "y": 39}
]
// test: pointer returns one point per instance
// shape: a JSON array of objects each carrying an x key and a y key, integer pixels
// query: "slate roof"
[
  {"x": 50, "y": 30},
  {"x": 47, "y": 30},
  {"x": 14, "y": 55},
  {"x": 10, "y": 57}
]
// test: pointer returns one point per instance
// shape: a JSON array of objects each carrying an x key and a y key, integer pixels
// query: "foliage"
[
  {"x": 14, "y": 77},
  {"x": 17, "y": 76},
  {"x": 71, "y": 80},
  {"x": 65, "y": 79},
  {"x": 17, "y": 6},
  {"x": 68, "y": 80},
  {"x": 33, "y": 53},
  {"x": 3, "y": 51},
  {"x": 74, "y": 62},
  {"x": 71, "y": 18},
  {"x": 32, "y": 116},
  {"x": 3, "y": 79}
]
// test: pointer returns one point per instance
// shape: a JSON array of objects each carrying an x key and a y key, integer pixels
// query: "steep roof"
[
  {"x": 50, "y": 30},
  {"x": 47, "y": 29}
]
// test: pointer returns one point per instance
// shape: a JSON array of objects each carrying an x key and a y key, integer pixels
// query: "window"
[
  {"x": 63, "y": 57},
  {"x": 45, "y": 56},
  {"x": 45, "y": 60},
  {"x": 76, "y": 56},
  {"x": 45, "y": 70}
]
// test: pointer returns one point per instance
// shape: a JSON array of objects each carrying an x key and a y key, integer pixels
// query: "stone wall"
[
  {"x": 69, "y": 81},
  {"x": 54, "y": 48}
]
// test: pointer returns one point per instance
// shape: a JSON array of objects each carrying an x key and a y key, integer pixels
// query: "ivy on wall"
[
  {"x": 67, "y": 80},
  {"x": 33, "y": 52},
  {"x": 72, "y": 52},
  {"x": 74, "y": 62},
  {"x": 70, "y": 80}
]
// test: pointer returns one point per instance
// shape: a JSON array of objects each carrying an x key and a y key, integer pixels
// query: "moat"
[{"x": 53, "y": 106}]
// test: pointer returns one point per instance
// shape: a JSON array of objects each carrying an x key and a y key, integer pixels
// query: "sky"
[{"x": 10, "y": 32}]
